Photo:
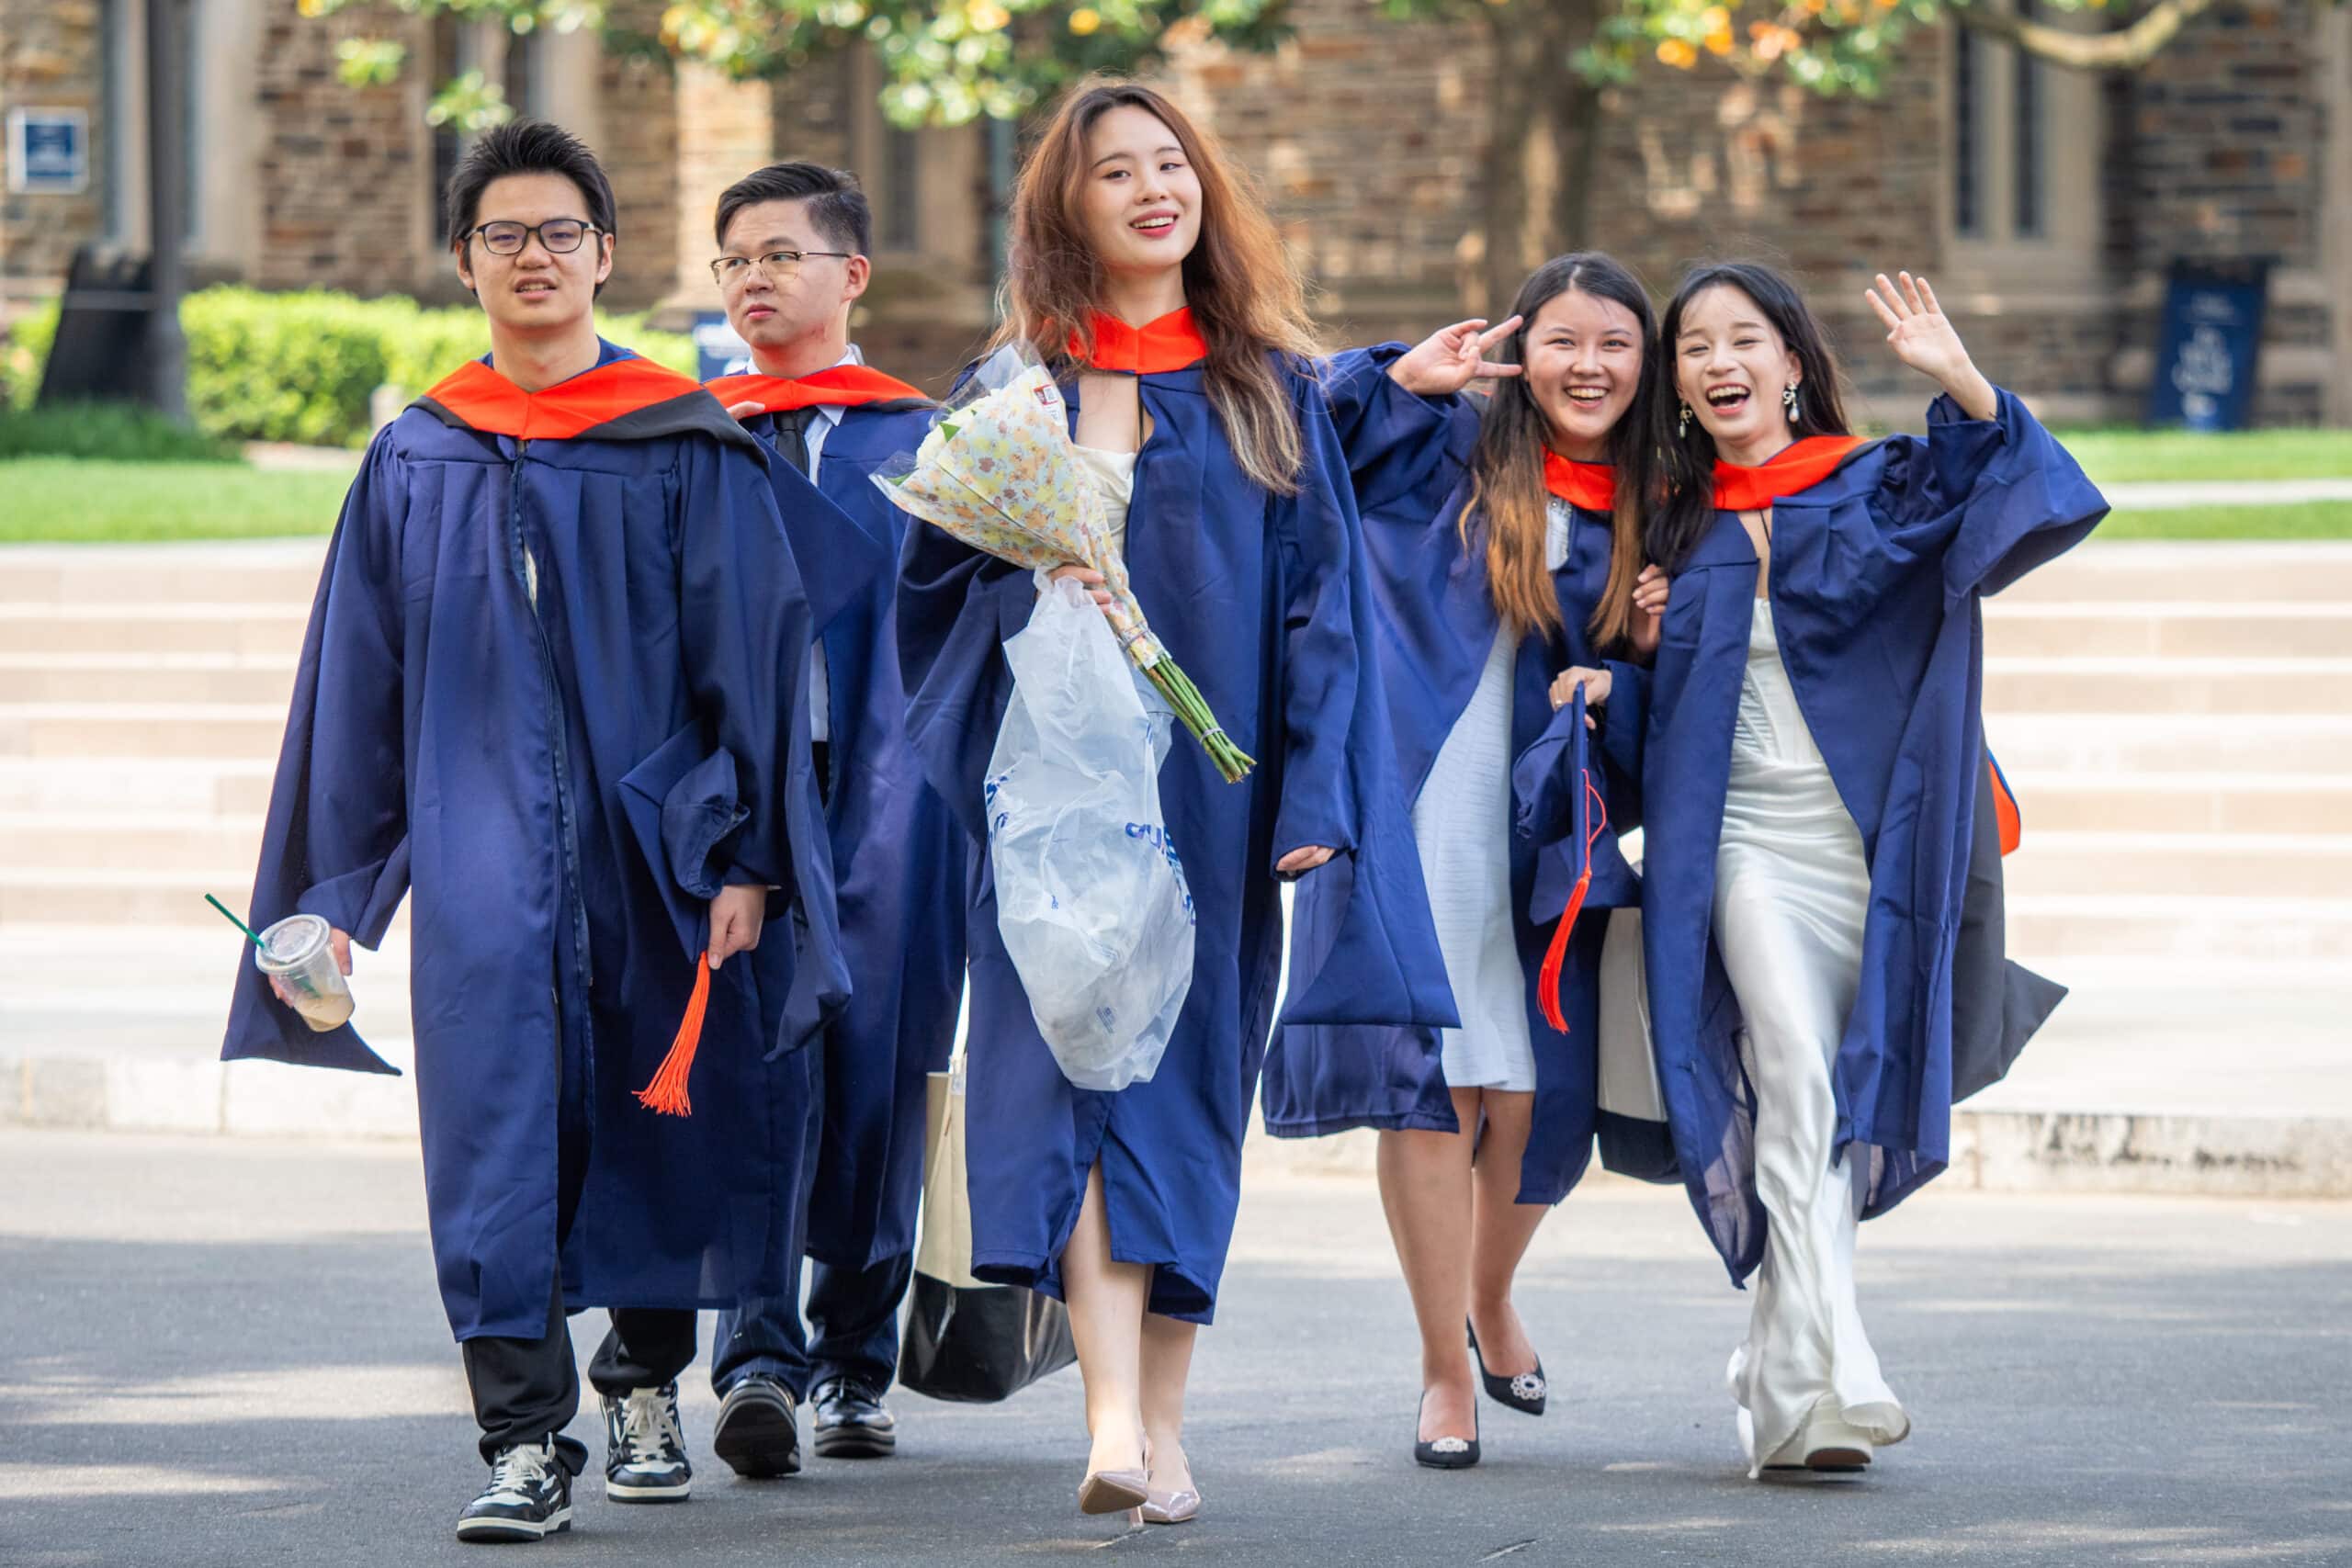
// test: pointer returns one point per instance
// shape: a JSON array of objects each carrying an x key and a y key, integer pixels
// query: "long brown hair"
[
  {"x": 1508, "y": 497},
  {"x": 1246, "y": 296}
]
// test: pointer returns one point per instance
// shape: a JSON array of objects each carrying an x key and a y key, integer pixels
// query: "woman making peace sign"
[{"x": 1504, "y": 534}]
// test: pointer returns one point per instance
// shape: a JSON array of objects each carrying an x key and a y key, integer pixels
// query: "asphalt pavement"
[{"x": 231, "y": 1351}]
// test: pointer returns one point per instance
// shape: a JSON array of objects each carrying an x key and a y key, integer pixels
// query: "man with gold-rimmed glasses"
[{"x": 792, "y": 264}]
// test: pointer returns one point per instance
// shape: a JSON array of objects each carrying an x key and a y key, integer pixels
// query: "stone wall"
[
  {"x": 2221, "y": 155},
  {"x": 638, "y": 143},
  {"x": 344, "y": 173},
  {"x": 52, "y": 56}
]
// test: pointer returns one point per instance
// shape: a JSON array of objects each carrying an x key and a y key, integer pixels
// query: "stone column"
[
  {"x": 2333, "y": 24},
  {"x": 726, "y": 128}
]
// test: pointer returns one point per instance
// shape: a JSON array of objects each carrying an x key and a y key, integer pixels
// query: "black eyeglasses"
[
  {"x": 561, "y": 236},
  {"x": 731, "y": 271}
]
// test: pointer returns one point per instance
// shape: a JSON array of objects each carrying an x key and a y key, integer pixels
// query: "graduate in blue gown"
[
  {"x": 1150, "y": 278},
  {"x": 540, "y": 699},
  {"x": 1504, "y": 534},
  {"x": 793, "y": 240},
  {"x": 1817, "y": 811}
]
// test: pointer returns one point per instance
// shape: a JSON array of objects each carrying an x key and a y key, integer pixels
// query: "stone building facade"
[{"x": 2046, "y": 204}]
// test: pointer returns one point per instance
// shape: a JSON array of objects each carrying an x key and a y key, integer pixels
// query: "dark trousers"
[
  {"x": 851, "y": 1331},
  {"x": 527, "y": 1389}
]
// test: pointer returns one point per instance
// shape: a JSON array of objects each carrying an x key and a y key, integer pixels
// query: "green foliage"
[
  {"x": 23, "y": 351},
  {"x": 121, "y": 433},
  {"x": 945, "y": 62},
  {"x": 301, "y": 366},
  {"x": 948, "y": 62}
]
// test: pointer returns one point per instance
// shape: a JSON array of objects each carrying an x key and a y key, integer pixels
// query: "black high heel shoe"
[
  {"x": 1443, "y": 1453},
  {"x": 1525, "y": 1392}
]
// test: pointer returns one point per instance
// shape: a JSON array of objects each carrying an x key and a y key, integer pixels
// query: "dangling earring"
[
  {"x": 1788, "y": 401},
  {"x": 1683, "y": 425}
]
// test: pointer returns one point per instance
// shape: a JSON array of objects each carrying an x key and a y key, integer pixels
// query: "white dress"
[
  {"x": 1113, "y": 475},
  {"x": 1462, "y": 822},
  {"x": 1792, "y": 886}
]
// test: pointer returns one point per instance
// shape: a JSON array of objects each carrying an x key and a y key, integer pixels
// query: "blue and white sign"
[
  {"x": 49, "y": 152},
  {"x": 2210, "y": 346}
]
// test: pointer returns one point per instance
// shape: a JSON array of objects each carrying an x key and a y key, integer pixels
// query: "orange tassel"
[
  {"x": 1555, "y": 956},
  {"x": 666, "y": 1095}
]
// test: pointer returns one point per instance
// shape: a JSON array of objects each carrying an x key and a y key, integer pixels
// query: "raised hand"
[
  {"x": 1923, "y": 338},
  {"x": 1447, "y": 360}
]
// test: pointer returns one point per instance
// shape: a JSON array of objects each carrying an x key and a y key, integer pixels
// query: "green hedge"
[
  {"x": 300, "y": 367},
  {"x": 117, "y": 433}
]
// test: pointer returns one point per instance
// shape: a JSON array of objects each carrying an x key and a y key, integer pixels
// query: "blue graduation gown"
[
  {"x": 1265, "y": 601},
  {"x": 1409, "y": 466},
  {"x": 898, "y": 859},
  {"x": 499, "y": 755},
  {"x": 1875, "y": 578}
]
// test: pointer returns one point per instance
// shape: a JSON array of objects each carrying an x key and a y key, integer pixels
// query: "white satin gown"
[{"x": 1792, "y": 886}]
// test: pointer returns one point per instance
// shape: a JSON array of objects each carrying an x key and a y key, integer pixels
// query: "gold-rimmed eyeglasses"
[{"x": 778, "y": 266}]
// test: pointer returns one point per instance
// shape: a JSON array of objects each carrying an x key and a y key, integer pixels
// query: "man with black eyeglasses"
[
  {"x": 556, "y": 688},
  {"x": 793, "y": 240}
]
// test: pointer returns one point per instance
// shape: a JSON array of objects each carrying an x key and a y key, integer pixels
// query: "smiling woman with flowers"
[{"x": 1147, "y": 276}]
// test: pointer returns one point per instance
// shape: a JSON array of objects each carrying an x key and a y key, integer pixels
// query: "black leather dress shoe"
[
  {"x": 757, "y": 1433},
  {"x": 852, "y": 1422}
]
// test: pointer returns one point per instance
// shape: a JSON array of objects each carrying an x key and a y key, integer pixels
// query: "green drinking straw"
[{"x": 236, "y": 922}]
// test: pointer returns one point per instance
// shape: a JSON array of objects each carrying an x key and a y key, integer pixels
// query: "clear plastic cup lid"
[{"x": 290, "y": 938}]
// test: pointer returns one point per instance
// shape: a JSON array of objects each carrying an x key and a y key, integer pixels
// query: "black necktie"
[{"x": 792, "y": 438}]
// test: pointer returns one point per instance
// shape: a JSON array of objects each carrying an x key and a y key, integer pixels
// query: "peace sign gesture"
[
  {"x": 1447, "y": 360},
  {"x": 1923, "y": 337}
]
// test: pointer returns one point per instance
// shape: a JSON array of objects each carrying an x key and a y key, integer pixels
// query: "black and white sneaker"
[
  {"x": 529, "y": 1495},
  {"x": 645, "y": 1451},
  {"x": 758, "y": 1432}
]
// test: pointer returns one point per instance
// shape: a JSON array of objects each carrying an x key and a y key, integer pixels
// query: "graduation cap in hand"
[{"x": 1558, "y": 803}]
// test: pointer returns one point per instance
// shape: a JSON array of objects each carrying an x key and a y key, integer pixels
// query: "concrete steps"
[
  {"x": 2183, "y": 864},
  {"x": 2243, "y": 745},
  {"x": 2147, "y": 572},
  {"x": 101, "y": 578},
  {"x": 2282, "y": 628},
  {"x": 108, "y": 734},
  {"x": 103, "y": 680},
  {"x": 2053, "y": 930},
  {"x": 2319, "y": 687},
  {"x": 2312, "y": 804},
  {"x": 2177, "y": 721},
  {"x": 265, "y": 629}
]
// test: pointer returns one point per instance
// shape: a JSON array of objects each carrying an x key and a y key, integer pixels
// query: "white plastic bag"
[{"x": 1089, "y": 893}]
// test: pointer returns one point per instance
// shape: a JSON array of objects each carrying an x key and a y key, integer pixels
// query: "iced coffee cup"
[{"x": 299, "y": 960}]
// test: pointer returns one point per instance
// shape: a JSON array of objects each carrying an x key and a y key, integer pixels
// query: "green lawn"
[
  {"x": 81, "y": 501},
  {"x": 2119, "y": 456},
  {"x": 2312, "y": 520},
  {"x": 90, "y": 500}
]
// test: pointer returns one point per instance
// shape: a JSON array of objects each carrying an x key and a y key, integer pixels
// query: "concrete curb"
[
  {"x": 2042, "y": 1151},
  {"x": 2003, "y": 1151}
]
